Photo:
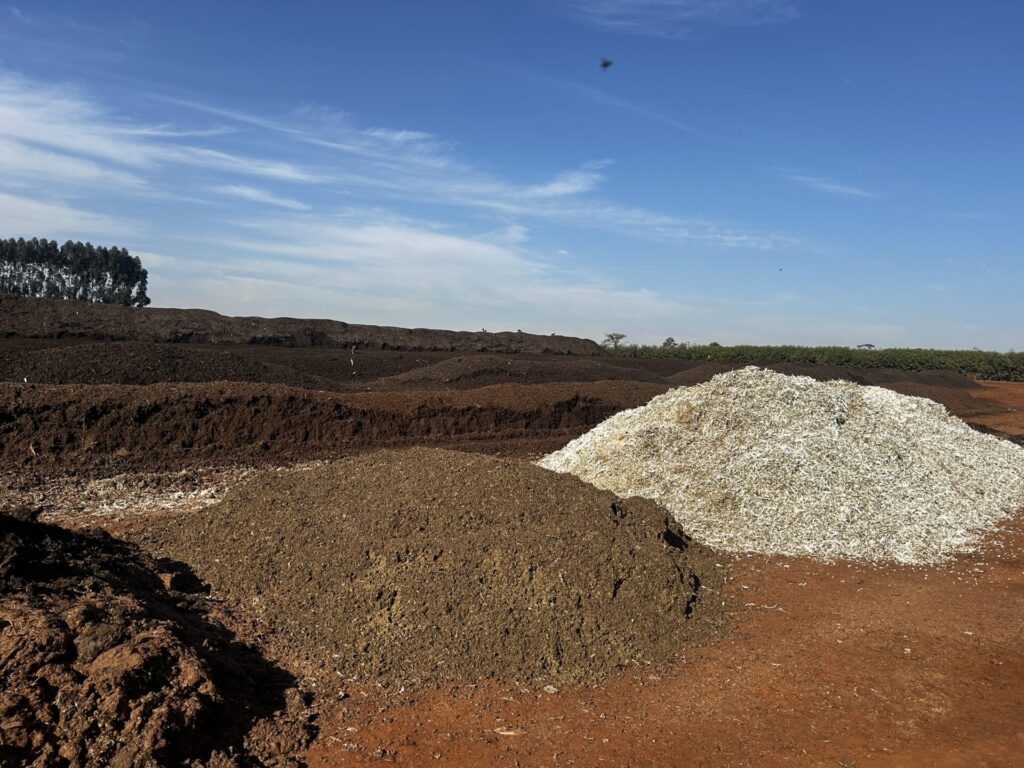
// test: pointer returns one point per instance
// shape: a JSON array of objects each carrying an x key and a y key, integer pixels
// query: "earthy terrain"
[
  {"x": 823, "y": 666},
  {"x": 107, "y": 657},
  {"x": 54, "y": 318},
  {"x": 429, "y": 575},
  {"x": 817, "y": 664}
]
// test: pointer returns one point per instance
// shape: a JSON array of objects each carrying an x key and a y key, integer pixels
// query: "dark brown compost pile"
[{"x": 427, "y": 566}]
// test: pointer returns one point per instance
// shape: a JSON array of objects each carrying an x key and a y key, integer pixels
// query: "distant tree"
[
  {"x": 613, "y": 340},
  {"x": 74, "y": 270},
  {"x": 714, "y": 344},
  {"x": 669, "y": 343}
]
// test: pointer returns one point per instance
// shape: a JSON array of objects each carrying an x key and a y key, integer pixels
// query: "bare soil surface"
[
  {"x": 106, "y": 660},
  {"x": 824, "y": 665},
  {"x": 818, "y": 665},
  {"x": 1000, "y": 406},
  {"x": 476, "y": 371},
  {"x": 427, "y": 566},
  {"x": 359, "y": 368}
]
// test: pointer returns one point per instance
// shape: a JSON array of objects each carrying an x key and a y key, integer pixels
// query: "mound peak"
[{"x": 758, "y": 461}]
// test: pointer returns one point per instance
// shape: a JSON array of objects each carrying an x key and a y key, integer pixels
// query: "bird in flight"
[{"x": 605, "y": 63}]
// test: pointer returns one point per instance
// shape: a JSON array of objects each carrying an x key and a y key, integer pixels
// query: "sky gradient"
[{"x": 747, "y": 171}]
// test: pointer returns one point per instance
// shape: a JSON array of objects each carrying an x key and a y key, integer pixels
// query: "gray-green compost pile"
[
  {"x": 426, "y": 566},
  {"x": 757, "y": 461}
]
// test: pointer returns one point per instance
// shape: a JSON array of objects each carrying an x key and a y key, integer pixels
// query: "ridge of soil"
[
  {"x": 105, "y": 660},
  {"x": 57, "y": 318},
  {"x": 470, "y": 372},
  {"x": 81, "y": 361},
  {"x": 46, "y": 427},
  {"x": 426, "y": 566},
  {"x": 132, "y": 362}
]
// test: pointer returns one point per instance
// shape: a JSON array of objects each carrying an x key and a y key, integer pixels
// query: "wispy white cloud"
[
  {"x": 410, "y": 274},
  {"x": 63, "y": 120},
  {"x": 828, "y": 185},
  {"x": 59, "y": 119},
  {"x": 74, "y": 142},
  {"x": 679, "y": 18},
  {"x": 512, "y": 236},
  {"x": 425, "y": 171},
  {"x": 566, "y": 184},
  {"x": 398, "y": 137},
  {"x": 158, "y": 261},
  {"x": 213, "y": 159},
  {"x": 260, "y": 196},
  {"x": 330, "y": 129},
  {"x": 667, "y": 227},
  {"x": 169, "y": 131},
  {"x": 54, "y": 219},
  {"x": 19, "y": 161}
]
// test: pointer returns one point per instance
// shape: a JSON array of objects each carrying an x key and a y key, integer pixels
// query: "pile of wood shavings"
[{"x": 757, "y": 461}]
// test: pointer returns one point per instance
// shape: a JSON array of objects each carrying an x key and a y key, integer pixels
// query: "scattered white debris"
[
  {"x": 82, "y": 500},
  {"x": 757, "y": 461}
]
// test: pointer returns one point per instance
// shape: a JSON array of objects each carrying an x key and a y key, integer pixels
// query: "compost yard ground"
[
  {"x": 824, "y": 665},
  {"x": 842, "y": 664}
]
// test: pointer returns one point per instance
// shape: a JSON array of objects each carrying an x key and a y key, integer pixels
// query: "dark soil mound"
[
  {"x": 882, "y": 377},
  {"x": 700, "y": 373},
  {"x": 474, "y": 371},
  {"x": 140, "y": 363},
  {"x": 344, "y": 366},
  {"x": 102, "y": 665},
  {"x": 176, "y": 425},
  {"x": 54, "y": 318},
  {"x": 424, "y": 566}
]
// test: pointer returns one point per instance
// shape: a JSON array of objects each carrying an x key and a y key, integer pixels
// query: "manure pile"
[
  {"x": 426, "y": 566},
  {"x": 757, "y": 461}
]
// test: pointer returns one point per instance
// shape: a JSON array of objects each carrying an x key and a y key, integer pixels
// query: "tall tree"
[{"x": 74, "y": 270}]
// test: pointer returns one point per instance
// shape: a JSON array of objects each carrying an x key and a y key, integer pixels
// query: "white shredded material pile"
[{"x": 757, "y": 461}]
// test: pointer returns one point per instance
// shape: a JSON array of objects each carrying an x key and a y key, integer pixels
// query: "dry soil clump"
[
  {"x": 105, "y": 661},
  {"x": 757, "y": 461},
  {"x": 427, "y": 566}
]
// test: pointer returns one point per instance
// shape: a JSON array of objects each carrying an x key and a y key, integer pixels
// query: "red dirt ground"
[
  {"x": 1003, "y": 404},
  {"x": 826, "y": 665}
]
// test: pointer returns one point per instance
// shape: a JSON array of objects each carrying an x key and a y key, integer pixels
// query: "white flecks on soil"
[
  {"x": 757, "y": 461},
  {"x": 81, "y": 501}
]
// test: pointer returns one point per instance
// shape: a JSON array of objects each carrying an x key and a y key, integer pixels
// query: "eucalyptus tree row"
[{"x": 75, "y": 270}]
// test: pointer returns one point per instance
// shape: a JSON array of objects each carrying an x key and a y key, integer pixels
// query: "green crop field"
[{"x": 997, "y": 366}]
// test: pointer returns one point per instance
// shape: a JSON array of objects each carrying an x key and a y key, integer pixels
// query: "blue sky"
[{"x": 764, "y": 171}]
